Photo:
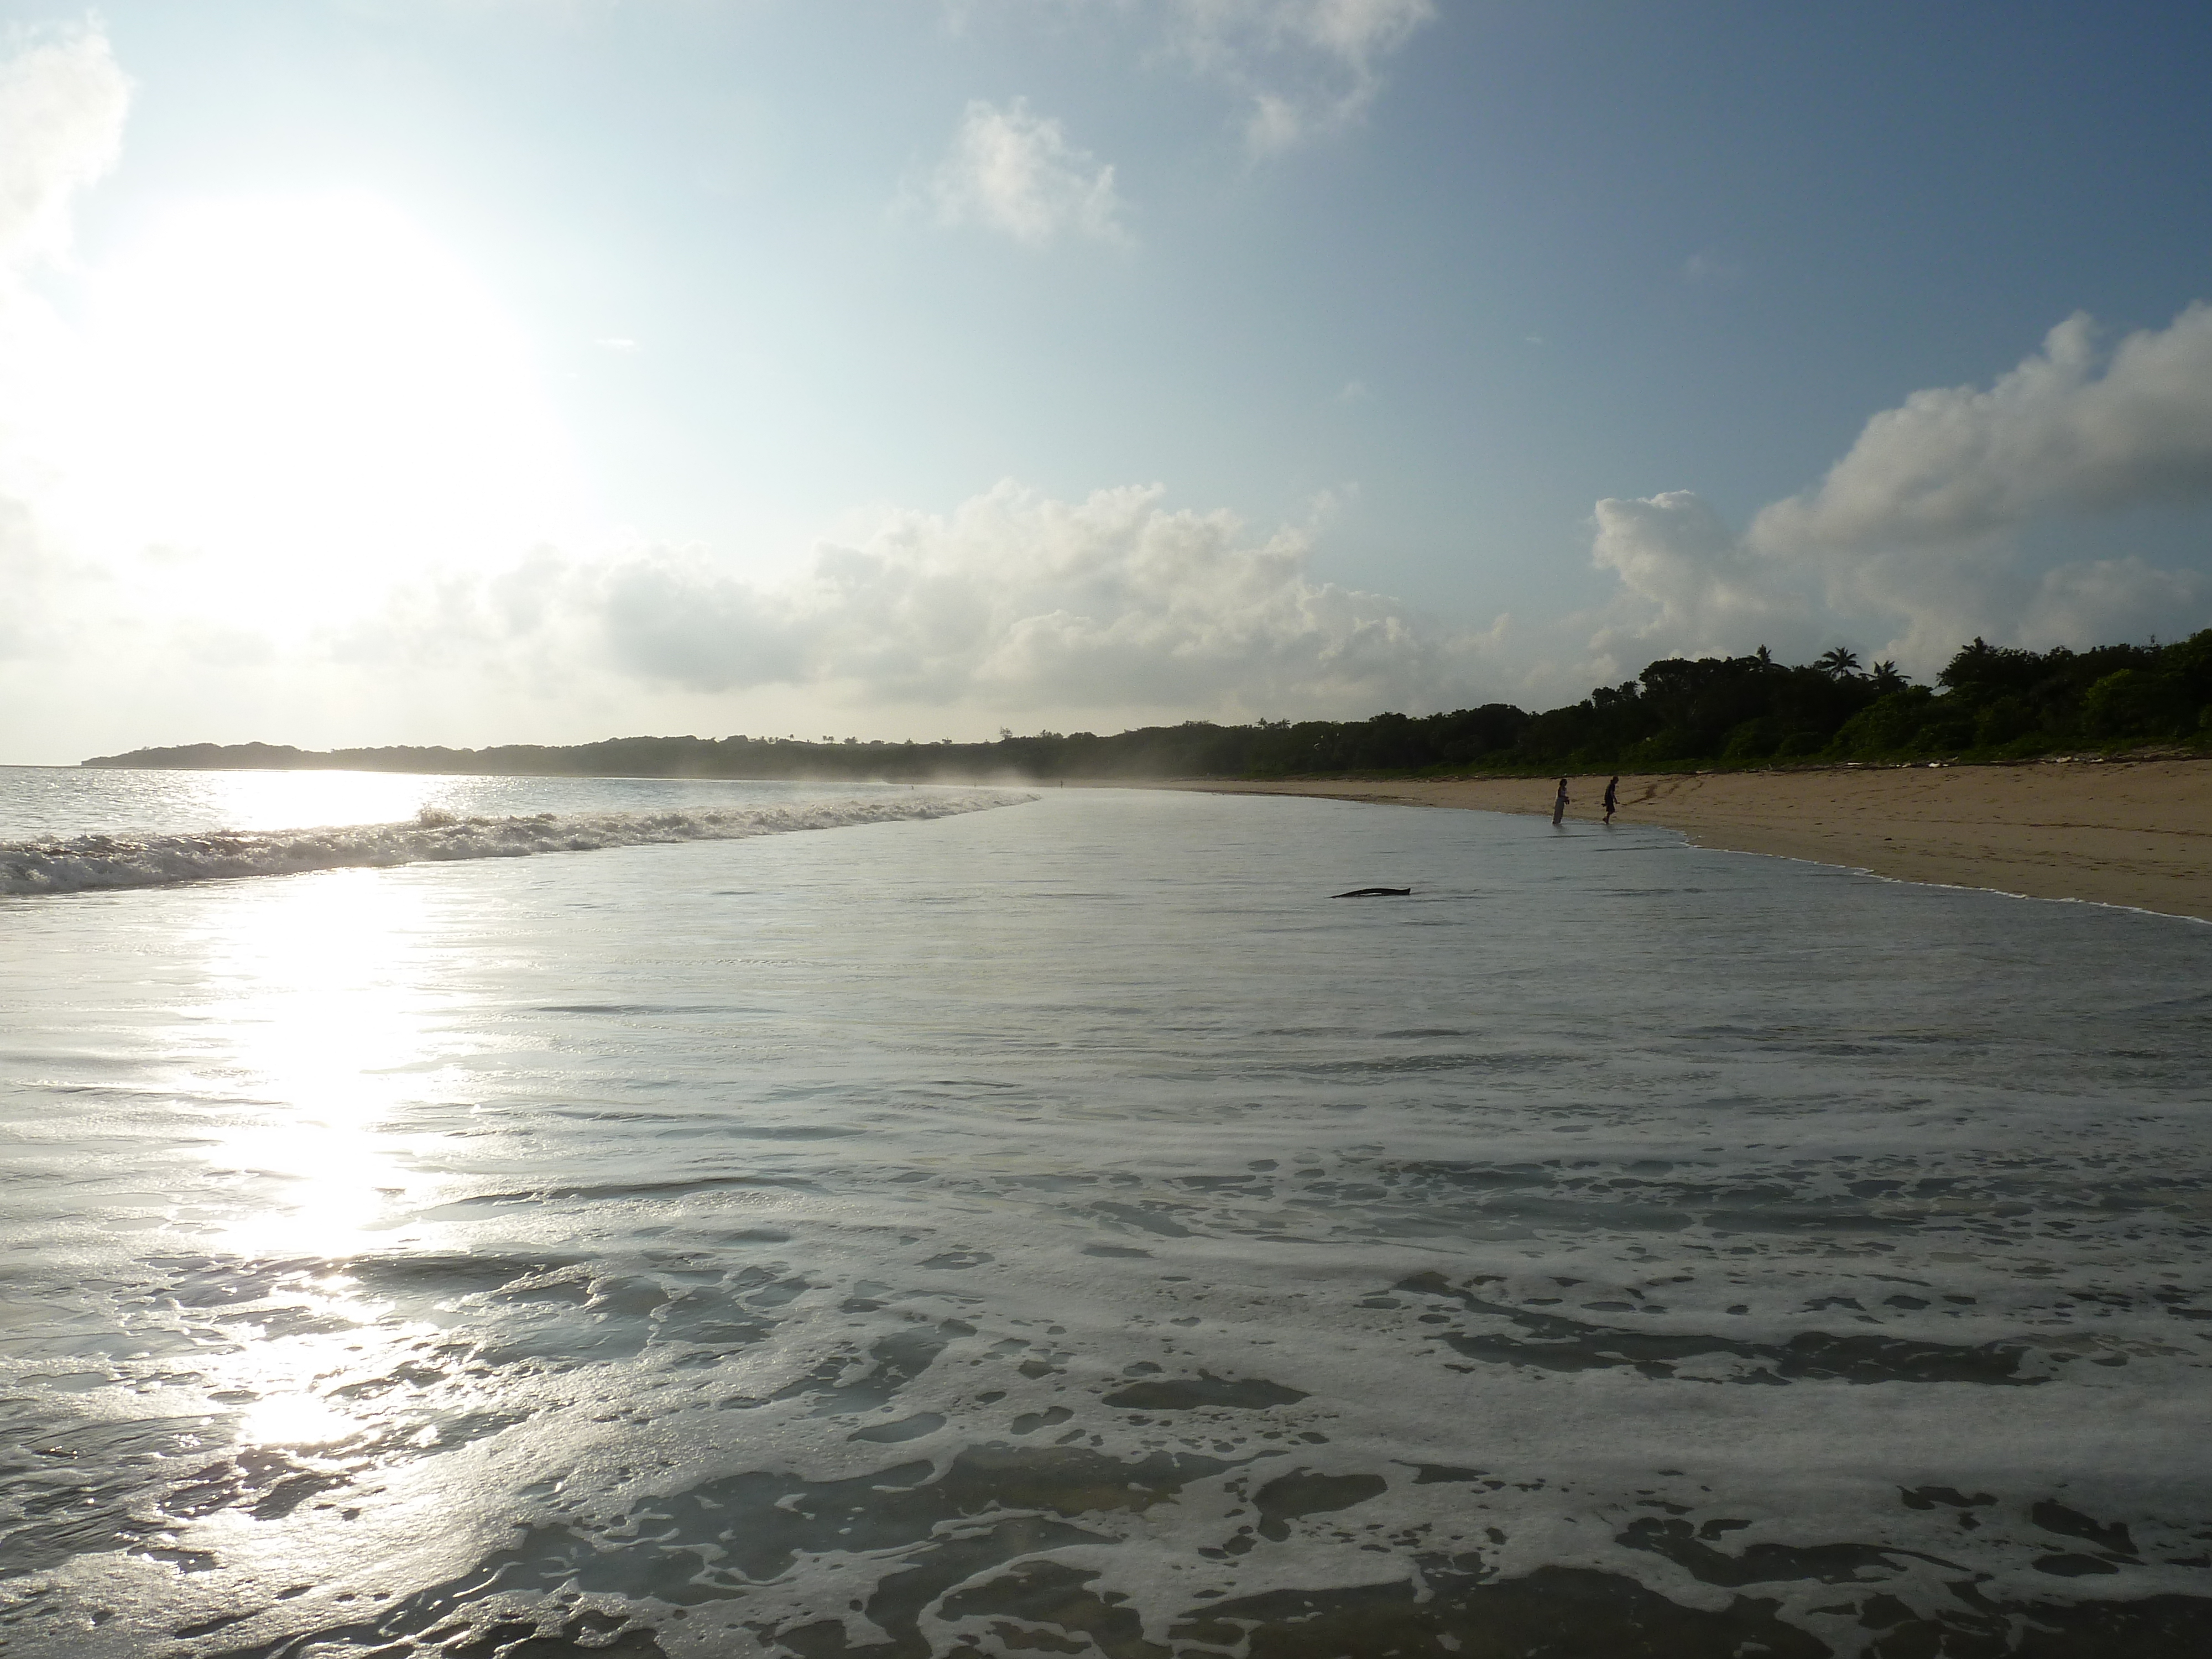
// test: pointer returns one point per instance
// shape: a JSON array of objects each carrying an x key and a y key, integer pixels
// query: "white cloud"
[
  {"x": 1689, "y": 586},
  {"x": 1920, "y": 521},
  {"x": 1016, "y": 602},
  {"x": 1015, "y": 605},
  {"x": 2062, "y": 433},
  {"x": 1014, "y": 172},
  {"x": 1916, "y": 532},
  {"x": 62, "y": 104},
  {"x": 1302, "y": 69},
  {"x": 1306, "y": 67}
]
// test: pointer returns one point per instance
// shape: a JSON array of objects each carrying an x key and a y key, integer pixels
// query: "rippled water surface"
[{"x": 1063, "y": 1228}]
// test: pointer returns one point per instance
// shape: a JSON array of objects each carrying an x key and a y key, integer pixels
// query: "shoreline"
[{"x": 2136, "y": 833}]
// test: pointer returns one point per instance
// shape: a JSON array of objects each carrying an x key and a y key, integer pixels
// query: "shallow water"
[{"x": 1065, "y": 1228}]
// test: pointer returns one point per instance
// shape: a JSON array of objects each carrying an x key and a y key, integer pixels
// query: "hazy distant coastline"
[
  {"x": 1194, "y": 750},
  {"x": 1990, "y": 703}
]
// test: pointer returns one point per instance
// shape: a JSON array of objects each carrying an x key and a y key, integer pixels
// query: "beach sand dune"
[{"x": 2136, "y": 833}]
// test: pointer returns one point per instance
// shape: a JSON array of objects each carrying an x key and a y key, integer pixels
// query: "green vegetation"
[
  {"x": 1990, "y": 703},
  {"x": 1993, "y": 702}
]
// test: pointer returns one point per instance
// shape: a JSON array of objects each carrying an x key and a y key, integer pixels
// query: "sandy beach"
[{"x": 2137, "y": 833}]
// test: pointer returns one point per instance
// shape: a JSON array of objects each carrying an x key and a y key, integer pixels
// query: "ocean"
[{"x": 514, "y": 1218}]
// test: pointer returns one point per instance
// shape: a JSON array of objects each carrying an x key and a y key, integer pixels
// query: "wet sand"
[{"x": 2137, "y": 833}]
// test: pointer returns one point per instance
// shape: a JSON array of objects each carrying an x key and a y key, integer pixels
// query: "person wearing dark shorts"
[
  {"x": 1559, "y": 807},
  {"x": 1612, "y": 798}
]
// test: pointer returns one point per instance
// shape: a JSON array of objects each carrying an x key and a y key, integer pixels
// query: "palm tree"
[
  {"x": 1886, "y": 678},
  {"x": 1839, "y": 663}
]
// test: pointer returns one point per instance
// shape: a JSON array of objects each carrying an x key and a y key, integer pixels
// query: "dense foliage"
[{"x": 1991, "y": 702}]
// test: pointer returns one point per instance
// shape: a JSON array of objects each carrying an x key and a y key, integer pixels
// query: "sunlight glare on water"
[{"x": 319, "y": 1032}]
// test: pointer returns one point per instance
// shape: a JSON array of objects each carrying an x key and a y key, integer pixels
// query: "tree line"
[{"x": 1990, "y": 703}]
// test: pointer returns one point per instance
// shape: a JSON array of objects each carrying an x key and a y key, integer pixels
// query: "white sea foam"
[{"x": 99, "y": 862}]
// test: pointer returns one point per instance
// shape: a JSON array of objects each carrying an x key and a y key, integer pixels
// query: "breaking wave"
[{"x": 97, "y": 863}]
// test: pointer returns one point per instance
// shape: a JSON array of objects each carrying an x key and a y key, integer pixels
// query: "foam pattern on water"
[
  {"x": 99, "y": 862},
  {"x": 1072, "y": 1231}
]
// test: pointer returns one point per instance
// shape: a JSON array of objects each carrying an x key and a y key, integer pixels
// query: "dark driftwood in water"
[{"x": 1376, "y": 892}]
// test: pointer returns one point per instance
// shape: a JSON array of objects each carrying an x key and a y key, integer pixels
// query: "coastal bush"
[
  {"x": 1953, "y": 734},
  {"x": 2006, "y": 718},
  {"x": 1887, "y": 726},
  {"x": 1659, "y": 750},
  {"x": 2132, "y": 701},
  {"x": 1753, "y": 740},
  {"x": 2190, "y": 664}
]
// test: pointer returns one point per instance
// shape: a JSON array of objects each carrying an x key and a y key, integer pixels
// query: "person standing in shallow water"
[
  {"x": 1612, "y": 798},
  {"x": 1559, "y": 807}
]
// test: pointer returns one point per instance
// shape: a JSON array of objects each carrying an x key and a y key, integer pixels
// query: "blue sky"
[{"x": 469, "y": 371}]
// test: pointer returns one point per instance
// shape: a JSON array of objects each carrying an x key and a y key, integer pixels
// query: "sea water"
[{"x": 901, "y": 1223}]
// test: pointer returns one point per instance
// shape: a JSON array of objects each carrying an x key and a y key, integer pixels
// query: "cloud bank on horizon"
[
  {"x": 1013, "y": 601},
  {"x": 403, "y": 575}
]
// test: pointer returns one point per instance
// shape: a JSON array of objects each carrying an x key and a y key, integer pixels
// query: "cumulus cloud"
[
  {"x": 62, "y": 104},
  {"x": 2068, "y": 431},
  {"x": 1014, "y": 605},
  {"x": 1918, "y": 529},
  {"x": 1013, "y": 171},
  {"x": 1015, "y": 601},
  {"x": 1689, "y": 586},
  {"x": 1305, "y": 67}
]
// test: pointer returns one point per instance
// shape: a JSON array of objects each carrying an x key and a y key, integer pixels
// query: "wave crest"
[{"x": 98, "y": 863}]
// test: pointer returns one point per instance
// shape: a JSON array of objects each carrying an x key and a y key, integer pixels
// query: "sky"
[{"x": 470, "y": 372}]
